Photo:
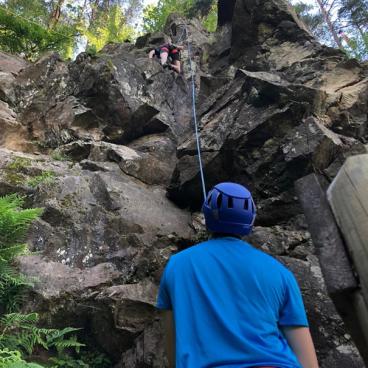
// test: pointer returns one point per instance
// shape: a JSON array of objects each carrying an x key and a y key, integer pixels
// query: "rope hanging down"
[{"x": 194, "y": 111}]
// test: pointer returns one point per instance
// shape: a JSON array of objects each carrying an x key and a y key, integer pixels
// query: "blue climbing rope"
[{"x": 194, "y": 111}]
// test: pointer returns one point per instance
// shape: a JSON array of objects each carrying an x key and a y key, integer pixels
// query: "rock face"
[{"x": 105, "y": 145}]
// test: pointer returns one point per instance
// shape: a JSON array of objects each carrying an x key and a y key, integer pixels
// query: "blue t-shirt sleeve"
[
  {"x": 292, "y": 312},
  {"x": 163, "y": 298}
]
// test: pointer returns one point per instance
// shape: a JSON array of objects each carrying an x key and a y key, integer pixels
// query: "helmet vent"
[
  {"x": 230, "y": 202},
  {"x": 209, "y": 199},
  {"x": 246, "y": 204},
  {"x": 219, "y": 200}
]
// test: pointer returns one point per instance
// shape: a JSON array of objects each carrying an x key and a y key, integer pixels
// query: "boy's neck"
[{"x": 224, "y": 235}]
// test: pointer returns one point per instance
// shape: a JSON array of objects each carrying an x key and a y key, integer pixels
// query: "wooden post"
[
  {"x": 333, "y": 256},
  {"x": 335, "y": 264},
  {"x": 348, "y": 197}
]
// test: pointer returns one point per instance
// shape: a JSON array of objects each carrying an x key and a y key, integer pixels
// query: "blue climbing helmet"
[{"x": 229, "y": 208}]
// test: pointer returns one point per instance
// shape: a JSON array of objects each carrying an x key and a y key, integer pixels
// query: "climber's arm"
[
  {"x": 300, "y": 341},
  {"x": 170, "y": 337}
]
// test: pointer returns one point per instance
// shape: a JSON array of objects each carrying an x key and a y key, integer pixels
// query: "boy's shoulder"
[
  {"x": 271, "y": 260},
  {"x": 200, "y": 250}
]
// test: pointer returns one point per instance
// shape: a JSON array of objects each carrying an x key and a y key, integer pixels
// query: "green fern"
[
  {"x": 20, "y": 336},
  {"x": 68, "y": 362},
  {"x": 19, "y": 332},
  {"x": 8, "y": 253},
  {"x": 24, "y": 364},
  {"x": 44, "y": 177},
  {"x": 13, "y": 359},
  {"x": 14, "y": 222},
  {"x": 56, "y": 338},
  {"x": 11, "y": 286}
]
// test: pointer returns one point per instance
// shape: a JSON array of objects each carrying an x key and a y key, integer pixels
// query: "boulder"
[
  {"x": 11, "y": 64},
  {"x": 259, "y": 131}
]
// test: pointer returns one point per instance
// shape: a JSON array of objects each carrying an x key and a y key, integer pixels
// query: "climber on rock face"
[
  {"x": 229, "y": 304},
  {"x": 169, "y": 55}
]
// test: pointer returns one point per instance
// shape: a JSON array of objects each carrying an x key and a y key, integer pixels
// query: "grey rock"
[
  {"x": 11, "y": 63},
  {"x": 55, "y": 280}
]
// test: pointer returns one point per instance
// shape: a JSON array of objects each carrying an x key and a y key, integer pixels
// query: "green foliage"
[
  {"x": 9, "y": 356},
  {"x": 11, "y": 286},
  {"x": 33, "y": 27},
  {"x": 348, "y": 16},
  {"x": 87, "y": 360},
  {"x": 91, "y": 50},
  {"x": 154, "y": 17},
  {"x": 20, "y": 35},
  {"x": 13, "y": 359},
  {"x": 19, "y": 163},
  {"x": 20, "y": 333},
  {"x": 355, "y": 11},
  {"x": 16, "y": 173},
  {"x": 14, "y": 170},
  {"x": 45, "y": 177},
  {"x": 314, "y": 21},
  {"x": 200, "y": 8},
  {"x": 67, "y": 361},
  {"x": 59, "y": 156},
  {"x": 20, "y": 336},
  {"x": 109, "y": 27},
  {"x": 210, "y": 20},
  {"x": 24, "y": 364},
  {"x": 14, "y": 223},
  {"x": 96, "y": 360},
  {"x": 36, "y": 10},
  {"x": 353, "y": 15}
]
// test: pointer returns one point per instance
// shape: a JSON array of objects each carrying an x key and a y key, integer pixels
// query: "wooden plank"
[
  {"x": 348, "y": 197},
  {"x": 334, "y": 261},
  {"x": 354, "y": 312}
]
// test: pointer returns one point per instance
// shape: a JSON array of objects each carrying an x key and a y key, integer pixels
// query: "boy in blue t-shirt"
[{"x": 233, "y": 305}]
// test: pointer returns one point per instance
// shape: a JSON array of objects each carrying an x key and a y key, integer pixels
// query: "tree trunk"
[
  {"x": 330, "y": 25},
  {"x": 56, "y": 13},
  {"x": 94, "y": 10}
]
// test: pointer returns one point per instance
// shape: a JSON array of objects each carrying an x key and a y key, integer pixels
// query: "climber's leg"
[
  {"x": 164, "y": 54},
  {"x": 176, "y": 66}
]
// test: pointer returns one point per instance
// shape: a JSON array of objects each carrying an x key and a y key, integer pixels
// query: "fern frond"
[
  {"x": 19, "y": 320},
  {"x": 6, "y": 268},
  {"x": 13, "y": 359},
  {"x": 68, "y": 344},
  {"x": 11, "y": 201},
  {"x": 59, "y": 334},
  {"x": 9, "y": 253},
  {"x": 14, "y": 223}
]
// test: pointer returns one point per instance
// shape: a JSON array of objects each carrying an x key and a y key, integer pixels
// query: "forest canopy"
[
  {"x": 29, "y": 28},
  {"x": 338, "y": 23}
]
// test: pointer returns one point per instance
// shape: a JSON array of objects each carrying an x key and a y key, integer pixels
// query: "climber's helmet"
[{"x": 229, "y": 208}]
